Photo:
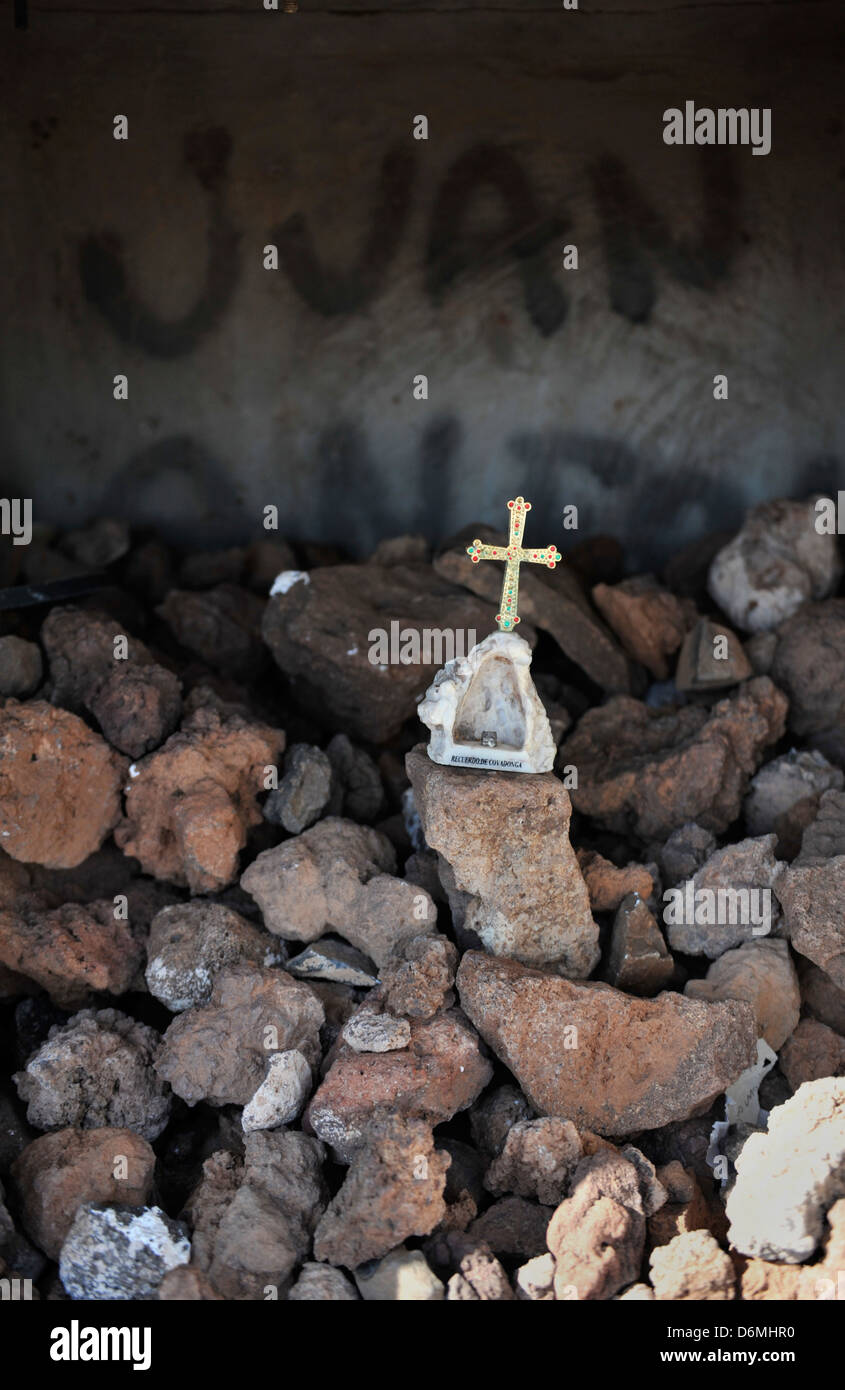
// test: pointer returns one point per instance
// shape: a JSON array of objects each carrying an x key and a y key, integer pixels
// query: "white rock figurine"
[{"x": 484, "y": 712}]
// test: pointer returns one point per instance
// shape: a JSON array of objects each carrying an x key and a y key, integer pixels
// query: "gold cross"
[{"x": 514, "y": 554}]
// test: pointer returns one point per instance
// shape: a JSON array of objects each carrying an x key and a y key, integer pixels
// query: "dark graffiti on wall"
[{"x": 636, "y": 238}]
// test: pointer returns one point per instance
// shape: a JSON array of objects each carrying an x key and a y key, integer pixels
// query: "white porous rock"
[
  {"x": 281, "y": 1095},
  {"x": 789, "y": 1176},
  {"x": 370, "y": 1031},
  {"x": 120, "y": 1252},
  {"x": 484, "y": 712},
  {"x": 776, "y": 563}
]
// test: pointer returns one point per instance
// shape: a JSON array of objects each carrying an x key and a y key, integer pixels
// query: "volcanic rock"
[
  {"x": 607, "y": 1061},
  {"x": 762, "y": 973},
  {"x": 219, "y": 1051},
  {"x": 319, "y": 632},
  {"x": 648, "y": 771},
  {"x": 120, "y": 1252},
  {"x": 607, "y": 885},
  {"x": 649, "y": 621},
  {"x": 189, "y": 805},
  {"x": 440, "y": 1072},
  {"x": 72, "y": 952},
  {"x": 639, "y": 962},
  {"x": 506, "y": 840},
  {"x": 96, "y": 1070},
  {"x": 812, "y": 898},
  {"x": 790, "y": 1175},
  {"x": 813, "y": 1051},
  {"x": 337, "y": 877},
  {"x": 692, "y": 1266},
  {"x": 597, "y": 1235},
  {"x": 394, "y": 1189},
  {"x": 303, "y": 792},
  {"x": 20, "y": 667},
  {"x": 59, "y": 785},
  {"x": 59, "y": 1172},
  {"x": 190, "y": 943},
  {"x": 774, "y": 566}
]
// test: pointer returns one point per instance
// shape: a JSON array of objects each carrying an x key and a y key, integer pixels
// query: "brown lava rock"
[
  {"x": 72, "y": 952},
  {"x": 394, "y": 1189},
  {"x": 218, "y": 1052},
  {"x": 58, "y": 1172},
  {"x": 189, "y": 805},
  {"x": 648, "y": 771},
  {"x": 319, "y": 634},
  {"x": 59, "y": 785},
  {"x": 441, "y": 1071},
  {"x": 588, "y": 1053}
]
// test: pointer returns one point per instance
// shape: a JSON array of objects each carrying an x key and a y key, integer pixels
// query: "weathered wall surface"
[{"x": 400, "y": 257}]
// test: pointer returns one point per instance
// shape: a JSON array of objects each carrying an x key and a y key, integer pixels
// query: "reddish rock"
[
  {"x": 813, "y": 1051},
  {"x": 506, "y": 840},
  {"x": 762, "y": 973},
  {"x": 190, "y": 804},
  {"x": 607, "y": 885},
  {"x": 394, "y": 1189},
  {"x": 419, "y": 974},
  {"x": 187, "y": 1284},
  {"x": 58, "y": 1172},
  {"x": 597, "y": 1235},
  {"x": 821, "y": 998},
  {"x": 136, "y": 702},
  {"x": 686, "y": 1209},
  {"x": 607, "y": 1061},
  {"x": 59, "y": 785},
  {"x": 318, "y": 630},
  {"x": 813, "y": 901},
  {"x": 138, "y": 707},
  {"x": 440, "y": 1072},
  {"x": 219, "y": 1052},
  {"x": 649, "y": 771},
  {"x": 72, "y": 952},
  {"x": 649, "y": 621}
]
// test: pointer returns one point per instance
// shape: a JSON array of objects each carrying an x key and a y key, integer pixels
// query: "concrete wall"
[{"x": 400, "y": 257}]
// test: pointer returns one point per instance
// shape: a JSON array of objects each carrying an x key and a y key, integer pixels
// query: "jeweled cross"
[{"x": 514, "y": 554}]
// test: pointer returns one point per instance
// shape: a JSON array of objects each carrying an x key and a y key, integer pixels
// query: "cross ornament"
[{"x": 514, "y": 554}]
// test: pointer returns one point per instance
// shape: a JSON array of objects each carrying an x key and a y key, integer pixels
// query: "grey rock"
[
  {"x": 21, "y": 667},
  {"x": 303, "y": 793},
  {"x": 335, "y": 962},
  {"x": 118, "y": 1252}
]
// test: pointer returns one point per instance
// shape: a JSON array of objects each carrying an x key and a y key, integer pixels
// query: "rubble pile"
[{"x": 291, "y": 1011}]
